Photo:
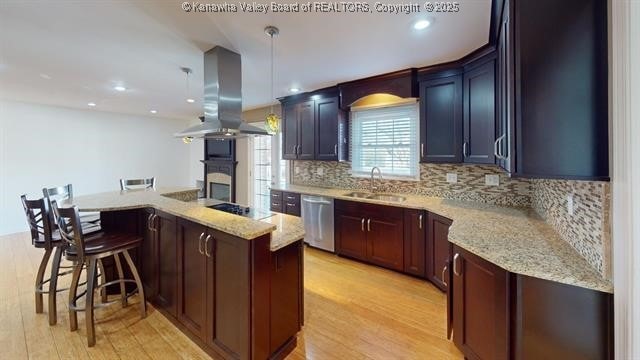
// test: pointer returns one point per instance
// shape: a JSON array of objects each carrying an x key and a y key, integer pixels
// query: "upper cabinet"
[
  {"x": 479, "y": 98},
  {"x": 313, "y": 127},
  {"x": 401, "y": 84},
  {"x": 441, "y": 119},
  {"x": 560, "y": 88}
]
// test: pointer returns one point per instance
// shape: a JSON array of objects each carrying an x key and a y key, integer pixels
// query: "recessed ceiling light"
[
  {"x": 294, "y": 89},
  {"x": 119, "y": 88},
  {"x": 92, "y": 104},
  {"x": 421, "y": 24},
  {"x": 45, "y": 76},
  {"x": 153, "y": 111},
  {"x": 190, "y": 101}
]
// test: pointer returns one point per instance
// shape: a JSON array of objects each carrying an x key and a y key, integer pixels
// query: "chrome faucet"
[{"x": 373, "y": 169}]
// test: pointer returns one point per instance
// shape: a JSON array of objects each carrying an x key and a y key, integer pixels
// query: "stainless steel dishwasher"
[{"x": 317, "y": 216}]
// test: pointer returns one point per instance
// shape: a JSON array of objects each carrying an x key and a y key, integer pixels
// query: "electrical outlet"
[
  {"x": 570, "y": 204},
  {"x": 452, "y": 178},
  {"x": 320, "y": 171},
  {"x": 492, "y": 180}
]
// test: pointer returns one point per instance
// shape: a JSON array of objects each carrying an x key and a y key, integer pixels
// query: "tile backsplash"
[
  {"x": 587, "y": 229},
  {"x": 470, "y": 184}
]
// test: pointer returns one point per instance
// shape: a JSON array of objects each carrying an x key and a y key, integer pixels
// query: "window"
[
  {"x": 266, "y": 171},
  {"x": 387, "y": 138}
]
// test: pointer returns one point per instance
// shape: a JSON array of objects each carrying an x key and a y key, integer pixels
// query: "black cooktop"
[{"x": 245, "y": 211}]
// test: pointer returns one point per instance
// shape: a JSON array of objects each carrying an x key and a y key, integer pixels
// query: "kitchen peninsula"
[{"x": 232, "y": 284}]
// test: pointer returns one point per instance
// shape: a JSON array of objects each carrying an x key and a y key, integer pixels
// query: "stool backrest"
[
  {"x": 68, "y": 221},
  {"x": 128, "y": 184},
  {"x": 56, "y": 194},
  {"x": 39, "y": 220}
]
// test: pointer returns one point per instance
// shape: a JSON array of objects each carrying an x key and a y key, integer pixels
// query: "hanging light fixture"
[
  {"x": 272, "y": 121},
  {"x": 187, "y": 71}
]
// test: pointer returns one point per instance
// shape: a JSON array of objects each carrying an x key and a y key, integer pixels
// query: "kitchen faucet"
[{"x": 373, "y": 169}]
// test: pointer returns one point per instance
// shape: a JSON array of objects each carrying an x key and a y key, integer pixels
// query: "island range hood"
[{"x": 222, "y": 99}]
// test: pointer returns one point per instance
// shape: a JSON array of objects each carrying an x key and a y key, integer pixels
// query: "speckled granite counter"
[
  {"x": 516, "y": 239},
  {"x": 284, "y": 229}
]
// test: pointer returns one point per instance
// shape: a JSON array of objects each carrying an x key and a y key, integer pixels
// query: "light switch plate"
[
  {"x": 320, "y": 171},
  {"x": 492, "y": 180},
  {"x": 570, "y": 204},
  {"x": 452, "y": 178}
]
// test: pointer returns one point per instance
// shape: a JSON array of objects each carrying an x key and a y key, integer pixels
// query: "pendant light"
[
  {"x": 187, "y": 71},
  {"x": 272, "y": 121}
]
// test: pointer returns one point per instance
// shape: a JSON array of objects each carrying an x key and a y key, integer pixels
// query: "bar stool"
[
  {"x": 89, "y": 251},
  {"x": 129, "y": 184},
  {"x": 45, "y": 237},
  {"x": 90, "y": 221}
]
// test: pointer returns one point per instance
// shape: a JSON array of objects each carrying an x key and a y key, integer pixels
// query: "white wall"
[{"x": 51, "y": 146}]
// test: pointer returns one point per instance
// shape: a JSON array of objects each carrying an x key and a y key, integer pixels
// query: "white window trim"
[{"x": 387, "y": 176}]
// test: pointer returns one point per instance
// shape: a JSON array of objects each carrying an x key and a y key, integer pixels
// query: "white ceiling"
[{"x": 69, "y": 53}]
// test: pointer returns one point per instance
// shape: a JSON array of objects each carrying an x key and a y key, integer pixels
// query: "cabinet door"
[
  {"x": 192, "y": 280},
  {"x": 505, "y": 95},
  {"x": 479, "y": 114},
  {"x": 289, "y": 132},
  {"x": 148, "y": 255},
  {"x": 415, "y": 230},
  {"x": 480, "y": 319},
  {"x": 441, "y": 120},
  {"x": 306, "y": 130},
  {"x": 285, "y": 298},
  {"x": 165, "y": 228},
  {"x": 327, "y": 119},
  {"x": 276, "y": 201},
  {"x": 385, "y": 238},
  {"x": 438, "y": 250},
  {"x": 291, "y": 203},
  {"x": 351, "y": 238}
]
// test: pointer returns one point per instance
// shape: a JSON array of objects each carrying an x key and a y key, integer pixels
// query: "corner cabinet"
[
  {"x": 313, "y": 127},
  {"x": 438, "y": 250}
]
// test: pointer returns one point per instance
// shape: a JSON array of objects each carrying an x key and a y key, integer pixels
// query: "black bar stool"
[
  {"x": 89, "y": 251},
  {"x": 44, "y": 236}
]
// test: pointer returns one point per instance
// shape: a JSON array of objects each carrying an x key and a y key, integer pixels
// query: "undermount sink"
[
  {"x": 382, "y": 197},
  {"x": 386, "y": 197}
]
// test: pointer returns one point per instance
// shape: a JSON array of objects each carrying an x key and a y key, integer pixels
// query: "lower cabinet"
[
  {"x": 480, "y": 311},
  {"x": 285, "y": 202},
  {"x": 438, "y": 250},
  {"x": 415, "y": 231},
  {"x": 372, "y": 233}
]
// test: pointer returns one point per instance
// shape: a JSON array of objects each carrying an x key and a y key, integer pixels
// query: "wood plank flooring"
[{"x": 352, "y": 311}]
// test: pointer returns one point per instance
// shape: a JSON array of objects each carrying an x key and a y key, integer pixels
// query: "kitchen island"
[{"x": 232, "y": 284}]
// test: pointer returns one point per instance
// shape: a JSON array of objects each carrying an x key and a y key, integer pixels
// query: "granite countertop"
[
  {"x": 284, "y": 229},
  {"x": 516, "y": 239}
]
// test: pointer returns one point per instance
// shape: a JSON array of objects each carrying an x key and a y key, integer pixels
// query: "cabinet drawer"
[
  {"x": 291, "y": 197},
  {"x": 276, "y": 205},
  {"x": 292, "y": 208},
  {"x": 276, "y": 195}
]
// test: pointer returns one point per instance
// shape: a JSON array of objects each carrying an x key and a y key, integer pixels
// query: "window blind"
[{"x": 387, "y": 138}]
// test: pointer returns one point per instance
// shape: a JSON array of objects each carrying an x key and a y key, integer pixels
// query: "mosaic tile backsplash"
[
  {"x": 587, "y": 230},
  {"x": 433, "y": 182}
]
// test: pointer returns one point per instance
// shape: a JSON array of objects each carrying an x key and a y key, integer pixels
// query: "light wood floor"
[{"x": 352, "y": 311}]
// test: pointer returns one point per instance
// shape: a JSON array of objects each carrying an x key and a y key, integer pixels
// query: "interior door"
[
  {"x": 192, "y": 280},
  {"x": 289, "y": 132},
  {"x": 306, "y": 130}
]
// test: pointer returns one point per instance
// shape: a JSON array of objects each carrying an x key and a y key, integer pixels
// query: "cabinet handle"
[
  {"x": 422, "y": 150},
  {"x": 291, "y": 197},
  {"x": 290, "y": 204},
  {"x": 420, "y": 221},
  {"x": 362, "y": 224},
  {"x": 335, "y": 149},
  {"x": 464, "y": 149},
  {"x": 444, "y": 270},
  {"x": 455, "y": 264},
  {"x": 200, "y": 244},
  {"x": 368, "y": 224},
  {"x": 299, "y": 149},
  {"x": 497, "y": 149},
  {"x": 149, "y": 222},
  {"x": 275, "y": 195},
  {"x": 154, "y": 222},
  {"x": 206, "y": 246}
]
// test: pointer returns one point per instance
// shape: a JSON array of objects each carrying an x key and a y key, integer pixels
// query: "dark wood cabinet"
[
  {"x": 480, "y": 306},
  {"x": 415, "y": 231},
  {"x": 372, "y": 233},
  {"x": 291, "y": 203},
  {"x": 479, "y": 114},
  {"x": 286, "y": 269},
  {"x": 276, "y": 203},
  {"x": 438, "y": 250},
  {"x": 314, "y": 126},
  {"x": 167, "y": 283},
  {"x": 561, "y": 89},
  {"x": 328, "y": 117},
  {"x": 441, "y": 120},
  {"x": 193, "y": 266},
  {"x": 147, "y": 257},
  {"x": 505, "y": 118}
]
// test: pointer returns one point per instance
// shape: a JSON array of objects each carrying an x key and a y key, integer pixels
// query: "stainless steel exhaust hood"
[{"x": 222, "y": 99}]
